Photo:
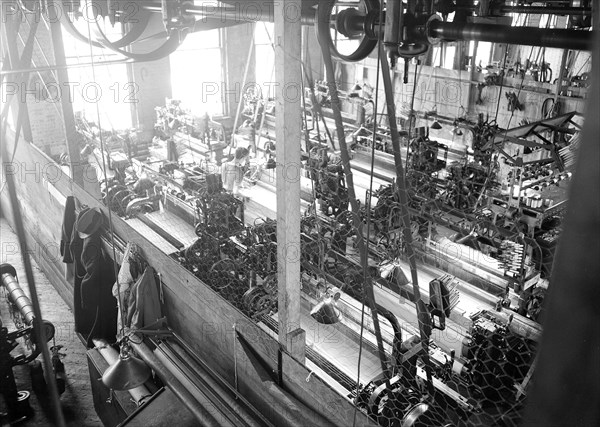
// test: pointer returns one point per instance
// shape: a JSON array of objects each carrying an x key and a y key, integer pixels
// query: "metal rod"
[
  {"x": 574, "y": 11},
  {"x": 197, "y": 376},
  {"x": 562, "y": 39},
  {"x": 199, "y": 393},
  {"x": 67, "y": 66},
  {"x": 237, "y": 15},
  {"x": 216, "y": 383},
  {"x": 404, "y": 211},
  {"x": 537, "y": 10},
  {"x": 200, "y": 412}
]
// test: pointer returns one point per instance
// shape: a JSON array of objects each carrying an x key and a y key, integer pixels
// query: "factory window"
[
  {"x": 449, "y": 57},
  {"x": 99, "y": 90},
  {"x": 548, "y": 21},
  {"x": 197, "y": 74},
  {"x": 265, "y": 56},
  {"x": 484, "y": 54},
  {"x": 443, "y": 56}
]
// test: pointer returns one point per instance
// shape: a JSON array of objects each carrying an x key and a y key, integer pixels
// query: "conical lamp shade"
[
  {"x": 127, "y": 373},
  {"x": 436, "y": 125},
  {"x": 394, "y": 273},
  {"x": 326, "y": 312},
  {"x": 457, "y": 131}
]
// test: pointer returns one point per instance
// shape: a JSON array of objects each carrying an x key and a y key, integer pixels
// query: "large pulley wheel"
[
  {"x": 257, "y": 301},
  {"x": 424, "y": 415},
  {"x": 380, "y": 397},
  {"x": 118, "y": 202},
  {"x": 335, "y": 25}
]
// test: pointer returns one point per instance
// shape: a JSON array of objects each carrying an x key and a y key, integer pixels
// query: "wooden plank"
[
  {"x": 289, "y": 170},
  {"x": 320, "y": 397}
]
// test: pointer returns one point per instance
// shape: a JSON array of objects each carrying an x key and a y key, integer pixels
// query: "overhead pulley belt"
[{"x": 356, "y": 220}]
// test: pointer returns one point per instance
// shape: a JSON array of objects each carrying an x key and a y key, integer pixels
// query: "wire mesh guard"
[
  {"x": 455, "y": 347},
  {"x": 480, "y": 364}
]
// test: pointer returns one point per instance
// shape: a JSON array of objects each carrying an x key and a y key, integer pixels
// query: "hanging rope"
[
  {"x": 110, "y": 221},
  {"x": 368, "y": 210},
  {"x": 356, "y": 219},
  {"x": 412, "y": 123},
  {"x": 422, "y": 314}
]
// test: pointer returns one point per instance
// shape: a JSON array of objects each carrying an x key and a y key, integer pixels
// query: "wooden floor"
[{"x": 77, "y": 400}]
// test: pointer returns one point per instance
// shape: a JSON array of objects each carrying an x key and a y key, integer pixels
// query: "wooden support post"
[
  {"x": 288, "y": 134},
  {"x": 71, "y": 135}
]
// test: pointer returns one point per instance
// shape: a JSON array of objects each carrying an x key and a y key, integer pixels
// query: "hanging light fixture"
[
  {"x": 392, "y": 272},
  {"x": 355, "y": 91},
  {"x": 456, "y": 130},
  {"x": 126, "y": 373},
  {"x": 326, "y": 312},
  {"x": 435, "y": 125}
]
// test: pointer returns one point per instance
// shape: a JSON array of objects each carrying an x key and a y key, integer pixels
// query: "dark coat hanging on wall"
[
  {"x": 82, "y": 324},
  {"x": 94, "y": 307},
  {"x": 67, "y": 230}
]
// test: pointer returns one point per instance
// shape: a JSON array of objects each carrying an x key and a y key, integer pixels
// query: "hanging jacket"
[
  {"x": 83, "y": 321},
  {"x": 144, "y": 302},
  {"x": 67, "y": 230}
]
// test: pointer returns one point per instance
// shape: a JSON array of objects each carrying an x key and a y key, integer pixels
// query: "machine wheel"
[{"x": 324, "y": 29}]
